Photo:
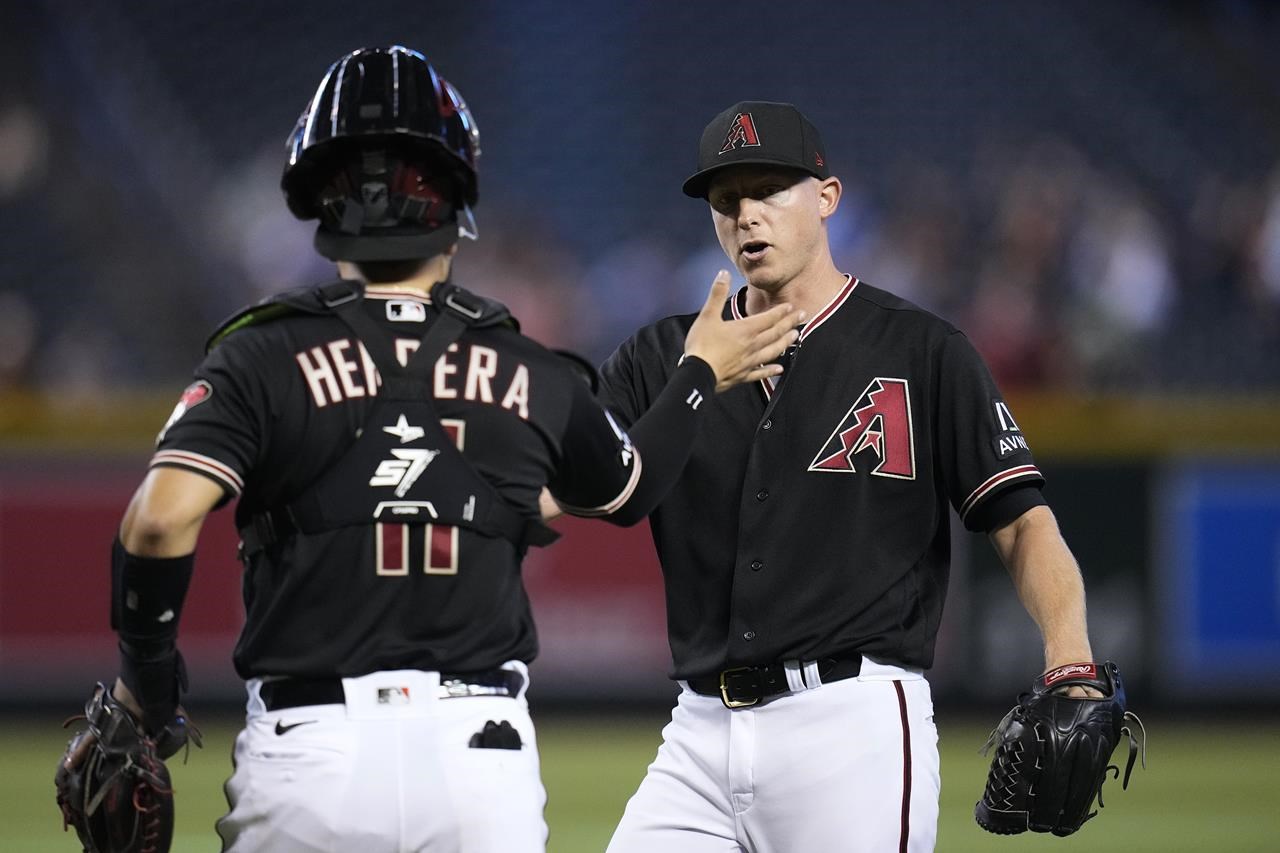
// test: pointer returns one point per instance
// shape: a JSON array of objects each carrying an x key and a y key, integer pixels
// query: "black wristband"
[
  {"x": 146, "y": 598},
  {"x": 156, "y": 681}
]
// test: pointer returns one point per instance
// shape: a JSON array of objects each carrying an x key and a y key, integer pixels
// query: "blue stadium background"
[{"x": 1106, "y": 176}]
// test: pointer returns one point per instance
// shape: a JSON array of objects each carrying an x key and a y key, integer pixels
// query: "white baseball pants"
[
  {"x": 846, "y": 767},
  {"x": 390, "y": 771}
]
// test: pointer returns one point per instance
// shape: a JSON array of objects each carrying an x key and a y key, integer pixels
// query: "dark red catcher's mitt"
[
  {"x": 112, "y": 784},
  {"x": 1053, "y": 752}
]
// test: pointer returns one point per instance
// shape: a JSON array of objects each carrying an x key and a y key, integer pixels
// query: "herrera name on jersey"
[{"x": 342, "y": 370}]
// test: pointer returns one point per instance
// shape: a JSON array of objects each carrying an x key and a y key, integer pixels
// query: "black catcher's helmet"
[{"x": 384, "y": 155}]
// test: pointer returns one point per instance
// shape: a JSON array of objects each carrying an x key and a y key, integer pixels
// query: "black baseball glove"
[
  {"x": 1052, "y": 752},
  {"x": 112, "y": 784}
]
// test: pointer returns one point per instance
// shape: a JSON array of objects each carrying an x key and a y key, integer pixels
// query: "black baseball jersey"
[
  {"x": 812, "y": 519},
  {"x": 275, "y": 405}
]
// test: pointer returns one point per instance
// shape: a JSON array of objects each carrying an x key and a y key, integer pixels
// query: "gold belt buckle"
[{"x": 724, "y": 690}]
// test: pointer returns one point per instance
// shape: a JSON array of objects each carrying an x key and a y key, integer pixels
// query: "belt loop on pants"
[
  {"x": 283, "y": 693},
  {"x": 745, "y": 686}
]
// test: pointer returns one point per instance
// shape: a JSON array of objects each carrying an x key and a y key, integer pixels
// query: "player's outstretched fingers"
[
  {"x": 775, "y": 332},
  {"x": 780, "y": 333},
  {"x": 739, "y": 350}
]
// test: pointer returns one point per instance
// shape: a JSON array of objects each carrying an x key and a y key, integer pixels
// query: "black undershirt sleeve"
[
  {"x": 663, "y": 437},
  {"x": 621, "y": 475}
]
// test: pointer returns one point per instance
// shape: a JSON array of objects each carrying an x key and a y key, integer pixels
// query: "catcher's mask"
[{"x": 384, "y": 155}]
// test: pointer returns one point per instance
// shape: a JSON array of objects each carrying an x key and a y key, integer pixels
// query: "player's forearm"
[
  {"x": 663, "y": 438},
  {"x": 151, "y": 568},
  {"x": 1048, "y": 582}
]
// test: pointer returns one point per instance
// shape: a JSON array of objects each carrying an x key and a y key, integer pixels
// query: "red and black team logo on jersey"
[
  {"x": 742, "y": 134},
  {"x": 880, "y": 421},
  {"x": 195, "y": 394}
]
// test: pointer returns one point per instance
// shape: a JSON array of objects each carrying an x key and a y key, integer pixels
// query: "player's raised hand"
[{"x": 740, "y": 350}]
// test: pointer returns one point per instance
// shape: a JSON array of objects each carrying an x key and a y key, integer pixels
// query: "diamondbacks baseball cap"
[{"x": 762, "y": 132}]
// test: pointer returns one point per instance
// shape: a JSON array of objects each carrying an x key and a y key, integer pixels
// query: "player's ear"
[{"x": 829, "y": 191}]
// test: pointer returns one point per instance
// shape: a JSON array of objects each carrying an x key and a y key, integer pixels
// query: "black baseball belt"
[
  {"x": 744, "y": 686},
  {"x": 297, "y": 692}
]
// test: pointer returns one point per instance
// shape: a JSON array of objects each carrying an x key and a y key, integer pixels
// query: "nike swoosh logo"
[{"x": 281, "y": 728}]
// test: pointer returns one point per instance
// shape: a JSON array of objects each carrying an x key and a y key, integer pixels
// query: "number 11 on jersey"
[
  {"x": 393, "y": 542},
  {"x": 392, "y": 548}
]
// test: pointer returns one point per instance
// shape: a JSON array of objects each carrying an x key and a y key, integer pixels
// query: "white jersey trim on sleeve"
[
  {"x": 201, "y": 464},
  {"x": 612, "y": 506},
  {"x": 1021, "y": 472}
]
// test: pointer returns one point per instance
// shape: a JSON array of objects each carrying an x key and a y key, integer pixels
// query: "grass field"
[{"x": 1208, "y": 787}]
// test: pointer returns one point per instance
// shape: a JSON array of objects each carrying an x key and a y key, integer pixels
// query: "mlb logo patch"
[
  {"x": 393, "y": 695},
  {"x": 406, "y": 311}
]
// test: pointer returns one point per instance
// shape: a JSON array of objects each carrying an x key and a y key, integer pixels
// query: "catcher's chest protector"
[{"x": 405, "y": 466}]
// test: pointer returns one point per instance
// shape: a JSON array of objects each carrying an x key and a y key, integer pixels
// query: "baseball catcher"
[
  {"x": 112, "y": 784},
  {"x": 1053, "y": 749}
]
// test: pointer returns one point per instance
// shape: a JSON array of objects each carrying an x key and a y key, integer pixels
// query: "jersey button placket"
[
  {"x": 762, "y": 495},
  {"x": 756, "y": 565},
  {"x": 749, "y": 635}
]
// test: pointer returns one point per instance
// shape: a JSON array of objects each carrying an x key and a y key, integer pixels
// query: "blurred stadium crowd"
[{"x": 1091, "y": 191}]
